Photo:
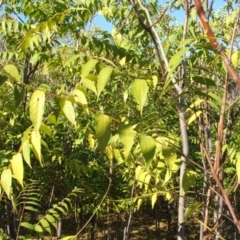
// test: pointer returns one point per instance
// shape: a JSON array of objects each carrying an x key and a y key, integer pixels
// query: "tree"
[{"x": 120, "y": 109}]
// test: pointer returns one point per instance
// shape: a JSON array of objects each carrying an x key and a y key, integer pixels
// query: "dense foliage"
[{"x": 98, "y": 124}]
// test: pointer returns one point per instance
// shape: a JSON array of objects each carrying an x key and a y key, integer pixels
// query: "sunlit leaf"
[
  {"x": 36, "y": 108},
  {"x": 103, "y": 78},
  {"x": 36, "y": 144},
  {"x": 17, "y": 167},
  {"x": 13, "y": 72},
  {"x": 45, "y": 225},
  {"x": 68, "y": 110},
  {"x": 38, "y": 228},
  {"x": 154, "y": 199},
  {"x": 27, "y": 225},
  {"x": 88, "y": 67},
  {"x": 51, "y": 220},
  {"x": 148, "y": 146},
  {"x": 6, "y": 181},
  {"x": 103, "y": 130},
  {"x": 139, "y": 92},
  {"x": 194, "y": 117},
  {"x": 238, "y": 165},
  {"x": 127, "y": 135}
]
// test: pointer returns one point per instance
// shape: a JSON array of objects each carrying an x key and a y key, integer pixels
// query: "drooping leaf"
[
  {"x": 194, "y": 117},
  {"x": 46, "y": 129},
  {"x": 36, "y": 144},
  {"x": 17, "y": 167},
  {"x": 45, "y": 225},
  {"x": 27, "y": 225},
  {"x": 6, "y": 181},
  {"x": 139, "y": 92},
  {"x": 38, "y": 228},
  {"x": 154, "y": 199},
  {"x": 103, "y": 130},
  {"x": 88, "y": 67},
  {"x": 188, "y": 180},
  {"x": 204, "y": 80},
  {"x": 51, "y": 220},
  {"x": 148, "y": 146},
  {"x": 13, "y": 72},
  {"x": 126, "y": 135},
  {"x": 170, "y": 158},
  {"x": 68, "y": 110},
  {"x": 26, "y": 152},
  {"x": 36, "y": 108},
  {"x": 88, "y": 83},
  {"x": 103, "y": 78}
]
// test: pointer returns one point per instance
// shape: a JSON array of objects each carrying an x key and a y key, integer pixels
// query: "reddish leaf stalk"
[{"x": 213, "y": 41}]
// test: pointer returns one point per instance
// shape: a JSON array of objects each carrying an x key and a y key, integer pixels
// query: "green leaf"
[
  {"x": 32, "y": 209},
  {"x": 6, "y": 181},
  {"x": 19, "y": 94},
  {"x": 3, "y": 79},
  {"x": 36, "y": 144},
  {"x": 238, "y": 165},
  {"x": 46, "y": 225},
  {"x": 26, "y": 152},
  {"x": 74, "y": 237},
  {"x": 194, "y": 117},
  {"x": 126, "y": 135},
  {"x": 148, "y": 146},
  {"x": 46, "y": 129},
  {"x": 38, "y": 228},
  {"x": 191, "y": 209},
  {"x": 51, "y": 220},
  {"x": 139, "y": 92},
  {"x": 170, "y": 158},
  {"x": 204, "y": 80},
  {"x": 68, "y": 110},
  {"x": 27, "y": 225},
  {"x": 79, "y": 96},
  {"x": 188, "y": 180},
  {"x": 177, "y": 59},
  {"x": 88, "y": 67},
  {"x": 103, "y": 130},
  {"x": 12, "y": 71},
  {"x": 154, "y": 199},
  {"x": 103, "y": 78},
  {"x": 89, "y": 84},
  {"x": 17, "y": 167},
  {"x": 36, "y": 108},
  {"x": 235, "y": 57}
]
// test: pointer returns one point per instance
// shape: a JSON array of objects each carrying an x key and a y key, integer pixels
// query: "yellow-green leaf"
[
  {"x": 139, "y": 92},
  {"x": 46, "y": 225},
  {"x": 12, "y": 71},
  {"x": 17, "y": 167},
  {"x": 36, "y": 108},
  {"x": 235, "y": 58},
  {"x": 238, "y": 165},
  {"x": 6, "y": 181},
  {"x": 26, "y": 151},
  {"x": 194, "y": 117},
  {"x": 103, "y": 130},
  {"x": 46, "y": 129},
  {"x": 38, "y": 228},
  {"x": 126, "y": 135},
  {"x": 88, "y": 83},
  {"x": 148, "y": 146},
  {"x": 36, "y": 144},
  {"x": 103, "y": 78},
  {"x": 154, "y": 199},
  {"x": 68, "y": 110},
  {"x": 188, "y": 180},
  {"x": 88, "y": 67}
]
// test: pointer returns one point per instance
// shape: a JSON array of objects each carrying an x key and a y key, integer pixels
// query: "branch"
[{"x": 216, "y": 46}]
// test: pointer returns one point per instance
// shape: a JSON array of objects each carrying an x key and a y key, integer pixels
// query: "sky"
[{"x": 99, "y": 20}]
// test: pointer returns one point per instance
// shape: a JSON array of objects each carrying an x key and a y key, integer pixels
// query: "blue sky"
[{"x": 99, "y": 21}]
